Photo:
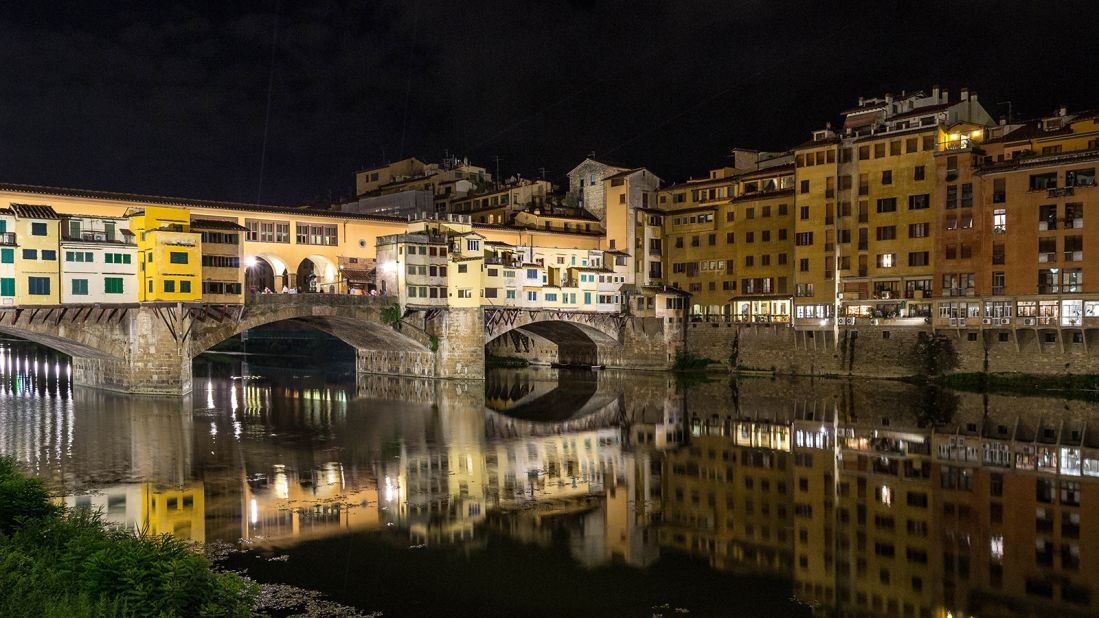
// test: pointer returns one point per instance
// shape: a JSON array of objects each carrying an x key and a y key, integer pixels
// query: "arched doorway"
[
  {"x": 317, "y": 273},
  {"x": 265, "y": 272}
]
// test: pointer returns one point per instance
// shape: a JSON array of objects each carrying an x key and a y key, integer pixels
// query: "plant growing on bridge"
[{"x": 391, "y": 315}]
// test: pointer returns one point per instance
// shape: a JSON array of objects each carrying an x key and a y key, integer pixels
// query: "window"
[
  {"x": 803, "y": 239},
  {"x": 465, "y": 268},
  {"x": 919, "y": 202},
  {"x": 30, "y": 254},
  {"x": 1047, "y": 217},
  {"x": 7, "y": 286},
  {"x": 917, "y": 230},
  {"x": 80, "y": 287},
  {"x": 7, "y": 256},
  {"x": 316, "y": 234},
  {"x": 38, "y": 229},
  {"x": 879, "y": 150},
  {"x": 886, "y": 232},
  {"x": 113, "y": 285},
  {"x": 886, "y": 260},
  {"x": 169, "y": 285},
  {"x": 1041, "y": 182},
  {"x": 803, "y": 265},
  {"x": 998, "y": 283},
  {"x": 887, "y": 204},
  {"x": 49, "y": 254},
  {"x": 887, "y": 177},
  {"x": 177, "y": 257},
  {"x": 38, "y": 286},
  {"x": 918, "y": 258},
  {"x": 919, "y": 172},
  {"x": 804, "y": 212},
  {"x": 999, "y": 221}
]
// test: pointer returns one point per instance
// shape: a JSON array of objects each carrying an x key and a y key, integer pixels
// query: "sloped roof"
[{"x": 34, "y": 211}]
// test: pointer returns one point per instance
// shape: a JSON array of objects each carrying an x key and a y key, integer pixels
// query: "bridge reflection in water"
[{"x": 877, "y": 500}]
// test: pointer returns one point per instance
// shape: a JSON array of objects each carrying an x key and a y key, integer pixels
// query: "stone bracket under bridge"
[{"x": 148, "y": 348}]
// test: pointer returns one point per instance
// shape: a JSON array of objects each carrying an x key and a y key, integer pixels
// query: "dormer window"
[{"x": 1053, "y": 124}]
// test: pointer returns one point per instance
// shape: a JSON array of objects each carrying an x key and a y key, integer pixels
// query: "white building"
[
  {"x": 98, "y": 261},
  {"x": 7, "y": 256}
]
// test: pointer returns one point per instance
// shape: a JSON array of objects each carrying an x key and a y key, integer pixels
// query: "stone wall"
[
  {"x": 884, "y": 351},
  {"x": 461, "y": 345}
]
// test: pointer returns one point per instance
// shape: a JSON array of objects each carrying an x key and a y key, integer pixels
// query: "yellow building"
[
  {"x": 169, "y": 254},
  {"x": 222, "y": 260},
  {"x": 865, "y": 225},
  {"x": 37, "y": 269},
  {"x": 763, "y": 229}
]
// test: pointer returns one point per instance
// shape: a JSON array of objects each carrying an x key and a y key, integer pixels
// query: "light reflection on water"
[{"x": 852, "y": 498}]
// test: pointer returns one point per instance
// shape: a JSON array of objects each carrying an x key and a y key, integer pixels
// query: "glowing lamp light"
[
  {"x": 389, "y": 267},
  {"x": 249, "y": 262}
]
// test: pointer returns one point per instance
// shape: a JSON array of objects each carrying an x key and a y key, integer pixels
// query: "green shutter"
[
  {"x": 112, "y": 285},
  {"x": 69, "y": 256},
  {"x": 7, "y": 256},
  {"x": 88, "y": 256},
  {"x": 7, "y": 286},
  {"x": 125, "y": 258}
]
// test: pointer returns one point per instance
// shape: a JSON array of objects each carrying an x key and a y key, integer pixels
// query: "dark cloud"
[{"x": 172, "y": 99}]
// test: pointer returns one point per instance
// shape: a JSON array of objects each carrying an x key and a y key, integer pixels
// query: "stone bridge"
[
  {"x": 148, "y": 348},
  {"x": 581, "y": 337}
]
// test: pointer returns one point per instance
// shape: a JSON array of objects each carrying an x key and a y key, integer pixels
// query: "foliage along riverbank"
[{"x": 65, "y": 563}]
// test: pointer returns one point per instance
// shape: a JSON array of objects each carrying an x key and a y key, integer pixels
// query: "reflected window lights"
[{"x": 996, "y": 547}]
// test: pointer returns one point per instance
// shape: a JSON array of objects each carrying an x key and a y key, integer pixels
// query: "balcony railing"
[
  {"x": 7, "y": 239},
  {"x": 1074, "y": 223},
  {"x": 1074, "y": 256},
  {"x": 1044, "y": 258}
]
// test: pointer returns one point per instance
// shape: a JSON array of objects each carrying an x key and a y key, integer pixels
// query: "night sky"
[{"x": 177, "y": 99}]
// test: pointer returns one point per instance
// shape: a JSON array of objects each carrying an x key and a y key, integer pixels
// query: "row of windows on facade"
[
  {"x": 276, "y": 232},
  {"x": 41, "y": 286},
  {"x": 880, "y": 150},
  {"x": 510, "y": 294}
]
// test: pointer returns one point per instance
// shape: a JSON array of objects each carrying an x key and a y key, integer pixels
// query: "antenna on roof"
[
  {"x": 1008, "y": 104},
  {"x": 542, "y": 171},
  {"x": 496, "y": 178}
]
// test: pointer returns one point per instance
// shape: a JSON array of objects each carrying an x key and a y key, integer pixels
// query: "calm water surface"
[{"x": 540, "y": 492}]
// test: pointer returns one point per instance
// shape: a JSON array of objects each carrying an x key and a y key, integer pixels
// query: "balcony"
[
  {"x": 7, "y": 239},
  {"x": 1061, "y": 192},
  {"x": 1074, "y": 223},
  {"x": 1074, "y": 256},
  {"x": 1044, "y": 258}
]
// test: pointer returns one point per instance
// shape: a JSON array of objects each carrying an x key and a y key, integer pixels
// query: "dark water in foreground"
[{"x": 546, "y": 493}]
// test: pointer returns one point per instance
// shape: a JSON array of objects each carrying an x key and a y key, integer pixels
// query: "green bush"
[
  {"x": 685, "y": 361},
  {"x": 57, "y": 562}
]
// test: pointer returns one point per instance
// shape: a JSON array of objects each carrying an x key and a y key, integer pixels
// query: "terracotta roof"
[
  {"x": 34, "y": 211},
  {"x": 354, "y": 274}
]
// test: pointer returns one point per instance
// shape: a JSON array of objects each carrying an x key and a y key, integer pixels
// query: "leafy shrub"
[{"x": 57, "y": 562}]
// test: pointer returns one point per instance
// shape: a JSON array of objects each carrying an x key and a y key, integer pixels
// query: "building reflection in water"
[{"x": 866, "y": 499}]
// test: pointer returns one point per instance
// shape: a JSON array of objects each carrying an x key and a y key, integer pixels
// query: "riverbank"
[{"x": 61, "y": 562}]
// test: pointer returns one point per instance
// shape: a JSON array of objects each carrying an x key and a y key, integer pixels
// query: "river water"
[{"x": 538, "y": 492}]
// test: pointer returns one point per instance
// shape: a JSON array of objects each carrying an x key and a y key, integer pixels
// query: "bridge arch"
[{"x": 578, "y": 337}]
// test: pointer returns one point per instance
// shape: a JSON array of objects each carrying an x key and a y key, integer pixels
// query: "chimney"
[
  {"x": 861, "y": 101},
  {"x": 1003, "y": 120},
  {"x": 965, "y": 94},
  {"x": 1062, "y": 111},
  {"x": 889, "y": 97},
  {"x": 935, "y": 92}
]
